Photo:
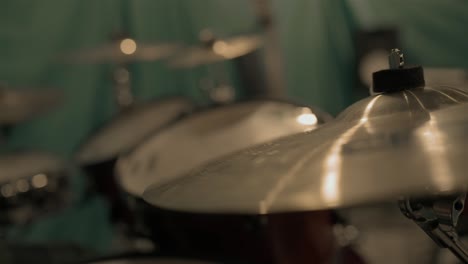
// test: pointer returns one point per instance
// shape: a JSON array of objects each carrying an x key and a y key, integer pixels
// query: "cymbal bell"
[
  {"x": 216, "y": 50},
  {"x": 122, "y": 51},
  {"x": 379, "y": 148},
  {"x": 18, "y": 105}
]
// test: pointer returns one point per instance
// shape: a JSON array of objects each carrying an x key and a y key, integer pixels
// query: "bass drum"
[
  {"x": 98, "y": 154},
  {"x": 32, "y": 184},
  {"x": 191, "y": 142}
]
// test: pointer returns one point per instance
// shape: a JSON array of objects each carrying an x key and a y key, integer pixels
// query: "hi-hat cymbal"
[
  {"x": 216, "y": 51},
  {"x": 379, "y": 148},
  {"x": 122, "y": 51},
  {"x": 17, "y": 105}
]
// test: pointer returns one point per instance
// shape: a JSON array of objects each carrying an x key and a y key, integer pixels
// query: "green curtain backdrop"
[
  {"x": 317, "y": 41},
  {"x": 316, "y": 37},
  {"x": 33, "y": 34},
  {"x": 433, "y": 32}
]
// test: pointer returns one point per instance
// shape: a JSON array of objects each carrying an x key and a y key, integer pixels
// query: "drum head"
[
  {"x": 208, "y": 135},
  {"x": 130, "y": 128}
]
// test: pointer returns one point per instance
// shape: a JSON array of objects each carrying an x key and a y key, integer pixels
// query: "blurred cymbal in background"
[
  {"x": 210, "y": 134},
  {"x": 122, "y": 51},
  {"x": 18, "y": 105},
  {"x": 216, "y": 50},
  {"x": 131, "y": 127}
]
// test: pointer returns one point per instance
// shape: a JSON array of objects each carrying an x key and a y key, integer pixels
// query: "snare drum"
[
  {"x": 31, "y": 184},
  {"x": 196, "y": 139}
]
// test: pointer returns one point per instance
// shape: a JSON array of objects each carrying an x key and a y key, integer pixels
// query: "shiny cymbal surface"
[
  {"x": 17, "y": 105},
  {"x": 219, "y": 50},
  {"x": 377, "y": 149},
  {"x": 122, "y": 51},
  {"x": 210, "y": 134}
]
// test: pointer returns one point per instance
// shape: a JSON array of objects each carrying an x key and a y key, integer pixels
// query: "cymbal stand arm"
[
  {"x": 274, "y": 65},
  {"x": 438, "y": 217}
]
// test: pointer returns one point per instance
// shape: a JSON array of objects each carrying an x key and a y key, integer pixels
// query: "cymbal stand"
[
  {"x": 216, "y": 87},
  {"x": 122, "y": 86},
  {"x": 274, "y": 65},
  {"x": 438, "y": 217},
  {"x": 5, "y": 129},
  {"x": 121, "y": 76}
]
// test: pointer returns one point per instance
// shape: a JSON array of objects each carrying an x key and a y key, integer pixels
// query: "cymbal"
[
  {"x": 377, "y": 149},
  {"x": 17, "y": 105},
  {"x": 210, "y": 134},
  {"x": 122, "y": 51},
  {"x": 131, "y": 127},
  {"x": 27, "y": 175},
  {"x": 14, "y": 166},
  {"x": 216, "y": 51}
]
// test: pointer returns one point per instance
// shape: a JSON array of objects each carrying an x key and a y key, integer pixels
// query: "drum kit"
[{"x": 263, "y": 180}]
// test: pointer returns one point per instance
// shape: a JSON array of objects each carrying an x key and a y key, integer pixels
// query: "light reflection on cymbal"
[
  {"x": 333, "y": 162},
  {"x": 307, "y": 118}
]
